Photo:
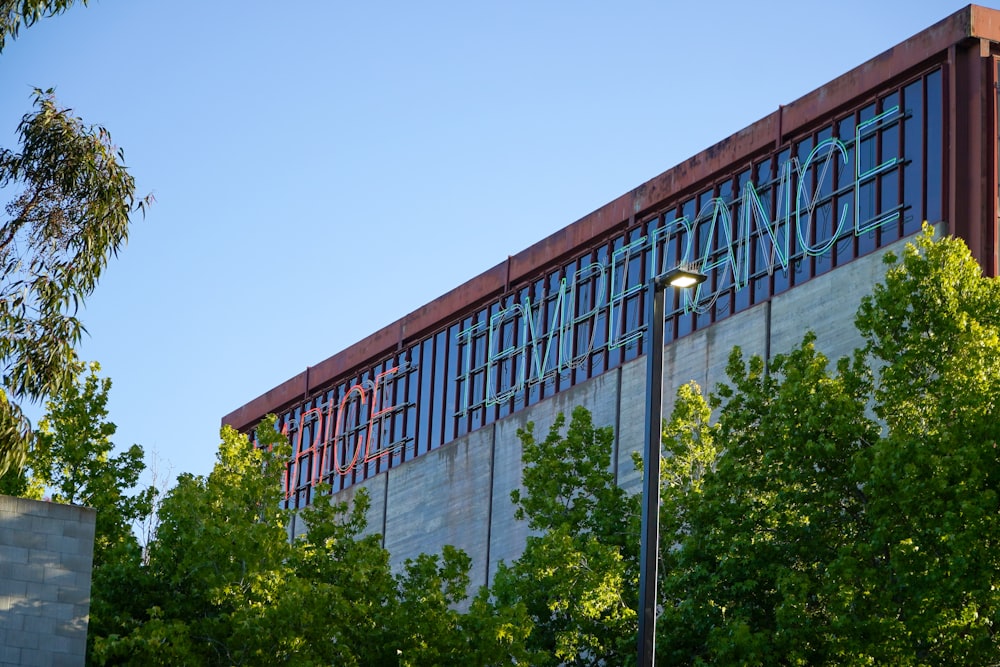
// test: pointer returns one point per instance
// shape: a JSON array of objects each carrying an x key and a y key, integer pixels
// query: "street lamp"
[{"x": 649, "y": 547}]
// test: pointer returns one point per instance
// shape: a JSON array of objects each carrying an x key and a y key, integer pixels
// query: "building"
[{"x": 788, "y": 217}]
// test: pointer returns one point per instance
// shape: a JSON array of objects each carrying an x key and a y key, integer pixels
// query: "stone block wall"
[{"x": 46, "y": 555}]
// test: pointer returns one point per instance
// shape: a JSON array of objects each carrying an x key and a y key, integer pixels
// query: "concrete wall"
[
  {"x": 460, "y": 494},
  {"x": 46, "y": 554}
]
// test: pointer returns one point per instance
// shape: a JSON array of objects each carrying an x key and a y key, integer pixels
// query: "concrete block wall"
[
  {"x": 507, "y": 535},
  {"x": 460, "y": 494},
  {"x": 46, "y": 555},
  {"x": 442, "y": 498},
  {"x": 826, "y": 306},
  {"x": 700, "y": 357}
]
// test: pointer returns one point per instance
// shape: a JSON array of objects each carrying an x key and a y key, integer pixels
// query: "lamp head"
[{"x": 682, "y": 276}]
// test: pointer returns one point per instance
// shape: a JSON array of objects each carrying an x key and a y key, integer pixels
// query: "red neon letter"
[
  {"x": 314, "y": 447},
  {"x": 371, "y": 423},
  {"x": 341, "y": 419}
]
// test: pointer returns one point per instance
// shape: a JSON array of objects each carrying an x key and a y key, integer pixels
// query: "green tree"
[
  {"x": 69, "y": 202},
  {"x": 816, "y": 535},
  {"x": 225, "y": 585},
  {"x": 69, "y": 214},
  {"x": 933, "y": 328},
  {"x": 73, "y": 457},
  {"x": 218, "y": 565},
  {"x": 73, "y": 460},
  {"x": 757, "y": 568},
  {"x": 577, "y": 577}
]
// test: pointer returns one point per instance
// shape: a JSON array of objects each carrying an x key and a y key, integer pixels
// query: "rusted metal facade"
[{"x": 909, "y": 136}]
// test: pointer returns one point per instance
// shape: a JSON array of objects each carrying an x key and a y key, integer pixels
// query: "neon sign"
[
  {"x": 519, "y": 342},
  {"x": 525, "y": 346},
  {"x": 354, "y": 431}
]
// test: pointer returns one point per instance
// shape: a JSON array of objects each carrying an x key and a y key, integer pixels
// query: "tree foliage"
[
  {"x": 934, "y": 327},
  {"x": 577, "y": 577},
  {"x": 850, "y": 517},
  {"x": 17, "y": 13},
  {"x": 69, "y": 198},
  {"x": 761, "y": 569},
  {"x": 224, "y": 584},
  {"x": 73, "y": 460},
  {"x": 68, "y": 214},
  {"x": 813, "y": 513}
]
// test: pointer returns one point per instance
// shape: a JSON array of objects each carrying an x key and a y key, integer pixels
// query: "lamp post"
[{"x": 650, "y": 543}]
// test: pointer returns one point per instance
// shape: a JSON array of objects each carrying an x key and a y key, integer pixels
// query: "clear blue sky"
[{"x": 323, "y": 168}]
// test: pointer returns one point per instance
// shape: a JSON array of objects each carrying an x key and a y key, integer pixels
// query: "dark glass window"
[
  {"x": 913, "y": 152},
  {"x": 935, "y": 153}
]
